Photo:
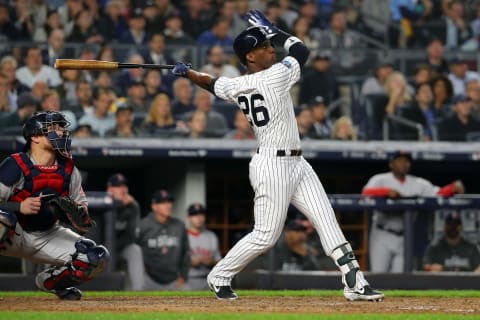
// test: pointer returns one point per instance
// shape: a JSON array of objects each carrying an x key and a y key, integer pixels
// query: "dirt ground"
[{"x": 244, "y": 304}]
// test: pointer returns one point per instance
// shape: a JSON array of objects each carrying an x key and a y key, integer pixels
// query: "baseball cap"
[
  {"x": 137, "y": 13},
  {"x": 162, "y": 196},
  {"x": 123, "y": 106},
  {"x": 27, "y": 99},
  {"x": 116, "y": 180},
  {"x": 399, "y": 154},
  {"x": 196, "y": 208},
  {"x": 456, "y": 60},
  {"x": 460, "y": 98},
  {"x": 294, "y": 225},
  {"x": 453, "y": 217},
  {"x": 315, "y": 101},
  {"x": 322, "y": 55}
]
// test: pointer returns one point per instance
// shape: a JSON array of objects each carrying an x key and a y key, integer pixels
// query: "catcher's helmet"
[
  {"x": 247, "y": 40},
  {"x": 47, "y": 124}
]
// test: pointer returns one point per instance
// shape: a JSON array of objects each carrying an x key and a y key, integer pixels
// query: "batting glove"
[
  {"x": 257, "y": 19},
  {"x": 181, "y": 69}
]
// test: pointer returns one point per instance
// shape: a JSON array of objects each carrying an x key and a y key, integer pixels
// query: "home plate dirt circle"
[{"x": 245, "y": 304}]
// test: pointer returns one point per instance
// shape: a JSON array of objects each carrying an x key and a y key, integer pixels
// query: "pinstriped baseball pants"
[{"x": 277, "y": 182}]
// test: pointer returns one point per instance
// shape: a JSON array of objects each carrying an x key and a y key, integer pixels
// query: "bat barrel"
[{"x": 75, "y": 64}]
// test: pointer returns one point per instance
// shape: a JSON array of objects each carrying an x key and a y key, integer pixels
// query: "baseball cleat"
[
  {"x": 71, "y": 293},
  {"x": 223, "y": 292},
  {"x": 364, "y": 294}
]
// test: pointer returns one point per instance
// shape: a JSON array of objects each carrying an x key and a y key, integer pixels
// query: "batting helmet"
[
  {"x": 246, "y": 41},
  {"x": 47, "y": 124}
]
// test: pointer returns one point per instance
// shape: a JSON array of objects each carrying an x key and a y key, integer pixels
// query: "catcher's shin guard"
[{"x": 88, "y": 261}]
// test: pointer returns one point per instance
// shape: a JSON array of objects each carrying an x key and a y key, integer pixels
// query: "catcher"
[{"x": 40, "y": 189}]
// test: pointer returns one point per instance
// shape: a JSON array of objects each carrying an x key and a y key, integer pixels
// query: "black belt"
[
  {"x": 283, "y": 153},
  {"x": 395, "y": 232}
]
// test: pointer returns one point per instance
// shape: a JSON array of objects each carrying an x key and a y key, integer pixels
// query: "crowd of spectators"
[{"x": 153, "y": 103}]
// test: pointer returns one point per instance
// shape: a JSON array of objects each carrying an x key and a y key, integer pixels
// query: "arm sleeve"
[
  {"x": 376, "y": 192},
  {"x": 294, "y": 46},
  {"x": 447, "y": 190}
]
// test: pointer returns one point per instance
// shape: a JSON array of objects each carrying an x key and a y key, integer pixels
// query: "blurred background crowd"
[{"x": 391, "y": 70}]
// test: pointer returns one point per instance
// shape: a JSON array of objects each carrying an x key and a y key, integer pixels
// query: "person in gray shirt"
[{"x": 165, "y": 246}]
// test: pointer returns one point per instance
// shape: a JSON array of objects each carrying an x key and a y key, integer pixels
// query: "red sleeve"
[
  {"x": 376, "y": 192},
  {"x": 447, "y": 190}
]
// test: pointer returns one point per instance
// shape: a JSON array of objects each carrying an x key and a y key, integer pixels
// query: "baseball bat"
[{"x": 78, "y": 64}]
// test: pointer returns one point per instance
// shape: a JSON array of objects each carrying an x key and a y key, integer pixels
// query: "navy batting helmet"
[
  {"x": 246, "y": 41},
  {"x": 47, "y": 124}
]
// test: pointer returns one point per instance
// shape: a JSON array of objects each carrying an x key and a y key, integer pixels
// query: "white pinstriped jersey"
[{"x": 264, "y": 98}]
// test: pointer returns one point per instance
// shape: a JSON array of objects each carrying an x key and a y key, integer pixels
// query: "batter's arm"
[{"x": 203, "y": 80}]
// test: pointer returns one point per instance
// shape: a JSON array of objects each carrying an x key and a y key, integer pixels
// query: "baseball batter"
[
  {"x": 28, "y": 181},
  {"x": 386, "y": 237},
  {"x": 278, "y": 173}
]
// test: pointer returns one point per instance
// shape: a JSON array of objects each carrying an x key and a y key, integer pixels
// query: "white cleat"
[{"x": 364, "y": 294}]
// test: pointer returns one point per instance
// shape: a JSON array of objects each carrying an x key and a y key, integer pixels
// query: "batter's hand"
[
  {"x": 181, "y": 69},
  {"x": 30, "y": 205},
  {"x": 257, "y": 19}
]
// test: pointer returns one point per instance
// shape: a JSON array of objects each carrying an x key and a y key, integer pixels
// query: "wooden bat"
[{"x": 77, "y": 64}]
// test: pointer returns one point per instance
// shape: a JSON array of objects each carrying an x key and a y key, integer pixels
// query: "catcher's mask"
[{"x": 47, "y": 124}]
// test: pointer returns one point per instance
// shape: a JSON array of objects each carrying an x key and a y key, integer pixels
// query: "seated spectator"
[
  {"x": 84, "y": 29},
  {"x": 51, "y": 102},
  {"x": 82, "y": 102},
  {"x": 173, "y": 32},
  {"x": 8, "y": 67},
  {"x": 26, "y": 106},
  {"x": 217, "y": 65},
  {"x": 442, "y": 96},
  {"x": 375, "y": 84},
  {"x": 196, "y": 18},
  {"x": 319, "y": 72},
  {"x": 106, "y": 53},
  {"x": 153, "y": 85},
  {"x": 7, "y": 104},
  {"x": 452, "y": 252},
  {"x": 292, "y": 252},
  {"x": 127, "y": 218},
  {"x": 123, "y": 122},
  {"x": 398, "y": 93},
  {"x": 322, "y": 125},
  {"x": 39, "y": 89},
  {"x": 458, "y": 29},
  {"x": 301, "y": 29},
  {"x": 435, "y": 56},
  {"x": 103, "y": 80},
  {"x": 461, "y": 123},
  {"x": 156, "y": 52},
  {"x": 232, "y": 10},
  {"x": 101, "y": 120},
  {"x": 159, "y": 119},
  {"x": 472, "y": 90},
  {"x": 7, "y": 26},
  {"x": 216, "y": 35},
  {"x": 34, "y": 70},
  {"x": 304, "y": 117},
  {"x": 83, "y": 131},
  {"x": 23, "y": 17},
  {"x": 243, "y": 129},
  {"x": 459, "y": 75},
  {"x": 52, "y": 22},
  {"x": 204, "y": 251},
  {"x": 164, "y": 242},
  {"x": 196, "y": 124},
  {"x": 112, "y": 23},
  {"x": 136, "y": 95},
  {"x": 422, "y": 74},
  {"x": 182, "y": 98},
  {"x": 70, "y": 78},
  {"x": 216, "y": 125},
  {"x": 122, "y": 82},
  {"x": 343, "y": 129},
  {"x": 136, "y": 33}
]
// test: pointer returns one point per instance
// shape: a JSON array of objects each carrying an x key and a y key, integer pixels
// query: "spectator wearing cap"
[
  {"x": 375, "y": 83},
  {"x": 452, "y": 252},
  {"x": 386, "y": 244},
  {"x": 292, "y": 252},
  {"x": 34, "y": 70},
  {"x": 322, "y": 125},
  {"x": 123, "y": 122},
  {"x": 136, "y": 33},
  {"x": 204, "y": 250},
  {"x": 164, "y": 242},
  {"x": 459, "y": 75},
  {"x": 136, "y": 95},
  {"x": 461, "y": 123},
  {"x": 26, "y": 106},
  {"x": 319, "y": 71},
  {"x": 126, "y": 213}
]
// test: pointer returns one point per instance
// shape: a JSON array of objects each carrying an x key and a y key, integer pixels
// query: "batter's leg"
[
  {"x": 310, "y": 198},
  {"x": 273, "y": 188}
]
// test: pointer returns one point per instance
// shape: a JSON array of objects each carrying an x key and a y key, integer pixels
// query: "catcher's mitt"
[{"x": 69, "y": 212}]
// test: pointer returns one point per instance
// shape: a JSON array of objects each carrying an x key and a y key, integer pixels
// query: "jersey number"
[{"x": 256, "y": 105}]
